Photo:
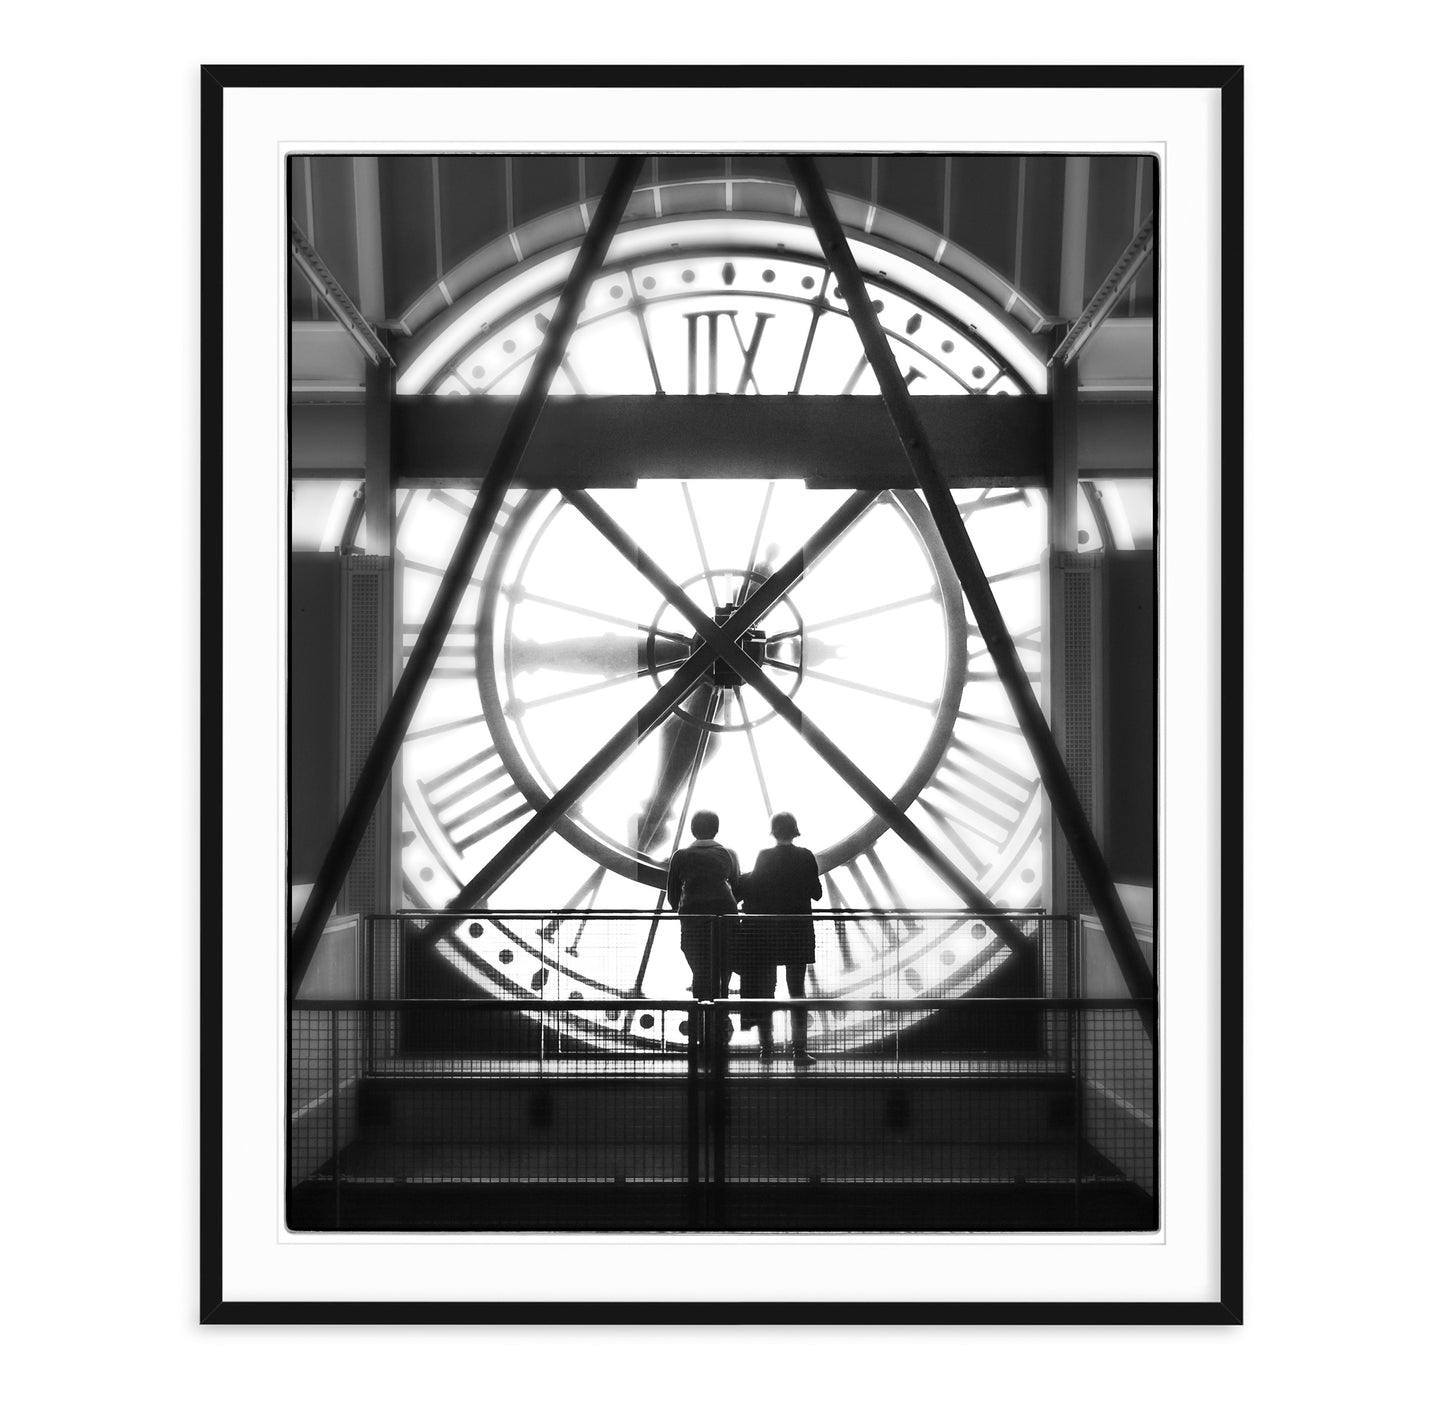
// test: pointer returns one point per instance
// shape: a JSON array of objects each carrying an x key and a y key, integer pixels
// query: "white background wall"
[{"x": 101, "y": 109}]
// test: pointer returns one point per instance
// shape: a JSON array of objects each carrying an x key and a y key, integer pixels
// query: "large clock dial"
[{"x": 564, "y": 636}]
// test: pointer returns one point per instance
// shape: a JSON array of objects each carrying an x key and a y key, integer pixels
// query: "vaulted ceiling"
[{"x": 406, "y": 235}]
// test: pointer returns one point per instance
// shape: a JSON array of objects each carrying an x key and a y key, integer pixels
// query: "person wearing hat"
[{"x": 782, "y": 885}]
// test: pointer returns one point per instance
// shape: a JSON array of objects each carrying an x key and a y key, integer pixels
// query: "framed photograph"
[{"x": 721, "y": 695}]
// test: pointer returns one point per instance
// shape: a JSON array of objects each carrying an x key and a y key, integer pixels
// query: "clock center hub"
[
  {"x": 776, "y": 645},
  {"x": 754, "y": 644}
]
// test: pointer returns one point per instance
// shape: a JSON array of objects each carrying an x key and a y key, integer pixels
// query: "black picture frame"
[{"x": 214, "y": 1304}]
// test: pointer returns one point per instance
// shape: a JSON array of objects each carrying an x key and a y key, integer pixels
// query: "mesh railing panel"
[{"x": 610, "y": 1113}]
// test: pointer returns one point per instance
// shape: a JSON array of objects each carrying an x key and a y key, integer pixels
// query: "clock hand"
[
  {"x": 607, "y": 655},
  {"x": 714, "y": 701},
  {"x": 684, "y": 747}
]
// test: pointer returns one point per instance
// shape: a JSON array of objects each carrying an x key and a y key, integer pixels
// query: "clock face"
[{"x": 561, "y": 640}]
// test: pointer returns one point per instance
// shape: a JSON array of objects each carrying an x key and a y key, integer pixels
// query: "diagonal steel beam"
[
  {"x": 723, "y": 644},
  {"x": 1111, "y": 289},
  {"x": 1052, "y": 770},
  {"x": 313, "y": 268},
  {"x": 394, "y": 723}
]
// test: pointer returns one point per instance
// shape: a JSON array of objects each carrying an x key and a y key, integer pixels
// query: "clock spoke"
[
  {"x": 852, "y": 381},
  {"x": 436, "y": 571},
  {"x": 592, "y": 688},
  {"x": 653, "y": 925},
  {"x": 584, "y": 897},
  {"x": 982, "y": 666},
  {"x": 431, "y": 731},
  {"x": 926, "y": 596},
  {"x": 570, "y": 371},
  {"x": 1027, "y": 639},
  {"x": 701, "y": 552},
  {"x": 457, "y": 658},
  {"x": 683, "y": 745},
  {"x": 841, "y": 938},
  {"x": 753, "y": 750},
  {"x": 815, "y": 674},
  {"x": 607, "y": 655},
  {"x": 526, "y": 596},
  {"x": 1022, "y": 572},
  {"x": 757, "y": 539},
  {"x": 993, "y": 497},
  {"x": 638, "y": 307},
  {"x": 804, "y": 560},
  {"x": 1006, "y": 725},
  {"x": 840, "y": 926},
  {"x": 819, "y": 306}
]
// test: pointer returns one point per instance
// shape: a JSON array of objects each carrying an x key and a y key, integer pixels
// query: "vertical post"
[
  {"x": 1064, "y": 467},
  {"x": 380, "y": 388},
  {"x": 694, "y": 1122},
  {"x": 1076, "y": 1039},
  {"x": 368, "y": 940},
  {"x": 336, "y": 1116},
  {"x": 719, "y": 1047}
]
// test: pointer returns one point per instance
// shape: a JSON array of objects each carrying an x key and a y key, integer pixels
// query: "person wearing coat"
[
  {"x": 700, "y": 881},
  {"x": 784, "y": 882}
]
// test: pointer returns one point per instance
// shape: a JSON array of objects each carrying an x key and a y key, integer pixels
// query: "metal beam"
[
  {"x": 526, "y": 410},
  {"x": 1064, "y": 470},
  {"x": 1073, "y": 245},
  {"x": 1107, "y": 297},
  {"x": 370, "y": 271},
  {"x": 333, "y": 294},
  {"x": 981, "y": 440},
  {"x": 1055, "y": 775},
  {"x": 997, "y": 439},
  {"x": 380, "y": 395}
]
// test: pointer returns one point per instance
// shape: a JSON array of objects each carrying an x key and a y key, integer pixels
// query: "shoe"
[{"x": 803, "y": 1058}]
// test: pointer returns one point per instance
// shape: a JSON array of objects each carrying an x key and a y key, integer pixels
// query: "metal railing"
[{"x": 962, "y": 1111}]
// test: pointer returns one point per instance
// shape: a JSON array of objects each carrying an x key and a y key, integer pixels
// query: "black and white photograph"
[
  {"x": 722, "y": 691},
  {"x": 746, "y": 696}
]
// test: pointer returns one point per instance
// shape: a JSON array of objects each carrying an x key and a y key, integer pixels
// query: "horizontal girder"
[{"x": 982, "y": 440}]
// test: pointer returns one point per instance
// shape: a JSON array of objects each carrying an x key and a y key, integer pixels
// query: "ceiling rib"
[{"x": 331, "y": 292}]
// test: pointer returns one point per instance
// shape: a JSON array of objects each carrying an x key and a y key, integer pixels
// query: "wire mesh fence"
[{"x": 600, "y": 1112}]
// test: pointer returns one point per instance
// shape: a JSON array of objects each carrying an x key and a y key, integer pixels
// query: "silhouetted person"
[
  {"x": 699, "y": 887},
  {"x": 784, "y": 881}
]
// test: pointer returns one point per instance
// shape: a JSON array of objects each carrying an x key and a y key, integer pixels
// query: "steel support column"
[
  {"x": 1055, "y": 776},
  {"x": 393, "y": 727},
  {"x": 1064, "y": 470},
  {"x": 380, "y": 389}
]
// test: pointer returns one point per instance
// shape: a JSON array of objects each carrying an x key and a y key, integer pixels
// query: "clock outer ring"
[{"x": 626, "y": 863}]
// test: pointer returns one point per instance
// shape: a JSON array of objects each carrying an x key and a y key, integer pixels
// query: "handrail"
[
  {"x": 831, "y": 912},
  {"x": 731, "y": 1004}
]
